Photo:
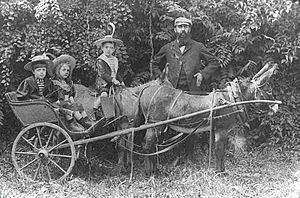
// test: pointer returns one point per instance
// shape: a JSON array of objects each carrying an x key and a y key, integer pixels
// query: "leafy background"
[{"x": 240, "y": 33}]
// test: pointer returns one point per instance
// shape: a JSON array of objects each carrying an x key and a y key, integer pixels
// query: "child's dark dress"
[
  {"x": 106, "y": 74},
  {"x": 66, "y": 89}
]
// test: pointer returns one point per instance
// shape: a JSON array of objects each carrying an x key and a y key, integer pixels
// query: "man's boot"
[{"x": 74, "y": 126}]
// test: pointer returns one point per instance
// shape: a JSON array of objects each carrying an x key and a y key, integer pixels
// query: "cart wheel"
[{"x": 43, "y": 152}]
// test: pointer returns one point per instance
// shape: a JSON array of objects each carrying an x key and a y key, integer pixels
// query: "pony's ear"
[
  {"x": 265, "y": 73},
  {"x": 164, "y": 75},
  {"x": 248, "y": 69},
  {"x": 265, "y": 68},
  {"x": 163, "y": 78}
]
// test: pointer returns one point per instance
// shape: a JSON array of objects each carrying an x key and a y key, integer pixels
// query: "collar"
[
  {"x": 105, "y": 58},
  {"x": 187, "y": 46},
  {"x": 39, "y": 79}
]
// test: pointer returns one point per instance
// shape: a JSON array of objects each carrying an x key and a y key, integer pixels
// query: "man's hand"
[
  {"x": 115, "y": 81},
  {"x": 71, "y": 99},
  {"x": 199, "y": 79}
]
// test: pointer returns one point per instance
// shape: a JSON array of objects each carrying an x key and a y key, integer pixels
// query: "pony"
[
  {"x": 159, "y": 103},
  {"x": 125, "y": 100}
]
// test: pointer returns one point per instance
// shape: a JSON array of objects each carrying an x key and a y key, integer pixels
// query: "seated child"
[
  {"x": 107, "y": 67},
  {"x": 61, "y": 73},
  {"x": 37, "y": 86}
]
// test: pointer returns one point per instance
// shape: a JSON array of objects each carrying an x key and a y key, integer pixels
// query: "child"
[
  {"x": 61, "y": 72},
  {"x": 37, "y": 86},
  {"x": 107, "y": 67}
]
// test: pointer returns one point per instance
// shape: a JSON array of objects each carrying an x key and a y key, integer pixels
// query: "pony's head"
[{"x": 258, "y": 88}]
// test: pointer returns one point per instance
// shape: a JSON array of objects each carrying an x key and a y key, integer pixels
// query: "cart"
[
  {"x": 45, "y": 148},
  {"x": 36, "y": 151}
]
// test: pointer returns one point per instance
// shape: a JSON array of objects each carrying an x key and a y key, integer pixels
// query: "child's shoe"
[
  {"x": 86, "y": 122},
  {"x": 98, "y": 113},
  {"x": 74, "y": 126}
]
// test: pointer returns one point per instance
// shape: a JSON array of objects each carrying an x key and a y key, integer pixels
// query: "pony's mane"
[{"x": 141, "y": 86}]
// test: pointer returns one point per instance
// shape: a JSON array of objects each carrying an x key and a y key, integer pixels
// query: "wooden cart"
[{"x": 45, "y": 148}]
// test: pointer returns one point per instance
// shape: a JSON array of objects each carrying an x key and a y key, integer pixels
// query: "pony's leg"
[
  {"x": 185, "y": 151},
  {"x": 130, "y": 146},
  {"x": 150, "y": 161},
  {"x": 124, "y": 143},
  {"x": 220, "y": 146},
  {"x": 189, "y": 147},
  {"x": 121, "y": 155}
]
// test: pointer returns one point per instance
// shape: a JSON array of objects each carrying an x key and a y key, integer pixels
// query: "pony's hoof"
[
  {"x": 119, "y": 170},
  {"x": 150, "y": 173}
]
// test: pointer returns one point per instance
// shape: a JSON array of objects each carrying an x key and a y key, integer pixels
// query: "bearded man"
[{"x": 189, "y": 62}]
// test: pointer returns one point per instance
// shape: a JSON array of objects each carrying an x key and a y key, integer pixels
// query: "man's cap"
[
  {"x": 38, "y": 59},
  {"x": 183, "y": 20}
]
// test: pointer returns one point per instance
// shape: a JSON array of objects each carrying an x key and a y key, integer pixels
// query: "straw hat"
[
  {"x": 62, "y": 59},
  {"x": 109, "y": 38},
  {"x": 182, "y": 20},
  {"x": 40, "y": 58}
]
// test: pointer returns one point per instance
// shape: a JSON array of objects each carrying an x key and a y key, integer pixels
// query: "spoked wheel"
[{"x": 43, "y": 152}]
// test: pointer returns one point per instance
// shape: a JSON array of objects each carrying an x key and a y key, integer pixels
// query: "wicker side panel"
[
  {"x": 11, "y": 96},
  {"x": 33, "y": 113}
]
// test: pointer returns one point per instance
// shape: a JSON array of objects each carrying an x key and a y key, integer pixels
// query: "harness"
[{"x": 234, "y": 94}]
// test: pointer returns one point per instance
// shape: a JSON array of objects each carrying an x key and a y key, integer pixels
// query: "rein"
[
  {"x": 173, "y": 104},
  {"x": 150, "y": 103},
  {"x": 165, "y": 149},
  {"x": 238, "y": 97}
]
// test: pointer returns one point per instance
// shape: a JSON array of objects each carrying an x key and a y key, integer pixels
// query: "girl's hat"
[
  {"x": 41, "y": 59},
  {"x": 109, "y": 38},
  {"x": 62, "y": 59}
]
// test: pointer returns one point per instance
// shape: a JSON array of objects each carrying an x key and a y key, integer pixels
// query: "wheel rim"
[{"x": 36, "y": 152}]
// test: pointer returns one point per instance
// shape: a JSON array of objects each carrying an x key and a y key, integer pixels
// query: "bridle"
[
  {"x": 259, "y": 92},
  {"x": 235, "y": 95}
]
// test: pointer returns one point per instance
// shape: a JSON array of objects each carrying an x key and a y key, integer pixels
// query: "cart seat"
[{"x": 31, "y": 111}]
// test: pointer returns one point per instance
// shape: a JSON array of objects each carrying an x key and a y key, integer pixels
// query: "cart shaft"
[{"x": 147, "y": 126}]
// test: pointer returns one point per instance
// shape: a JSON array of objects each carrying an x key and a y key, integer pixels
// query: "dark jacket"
[
  {"x": 195, "y": 58},
  {"x": 64, "y": 89},
  {"x": 68, "y": 89},
  {"x": 104, "y": 79},
  {"x": 28, "y": 89}
]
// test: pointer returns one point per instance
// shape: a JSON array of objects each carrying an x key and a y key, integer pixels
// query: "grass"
[{"x": 263, "y": 173}]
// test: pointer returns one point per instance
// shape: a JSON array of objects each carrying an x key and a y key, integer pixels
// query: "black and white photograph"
[{"x": 150, "y": 98}]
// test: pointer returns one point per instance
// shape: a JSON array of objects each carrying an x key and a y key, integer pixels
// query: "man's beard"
[{"x": 183, "y": 38}]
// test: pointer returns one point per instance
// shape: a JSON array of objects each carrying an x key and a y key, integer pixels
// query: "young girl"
[
  {"x": 107, "y": 67},
  {"x": 61, "y": 76}
]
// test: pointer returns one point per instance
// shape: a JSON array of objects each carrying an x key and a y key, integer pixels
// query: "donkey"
[
  {"x": 158, "y": 103},
  {"x": 125, "y": 105}
]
